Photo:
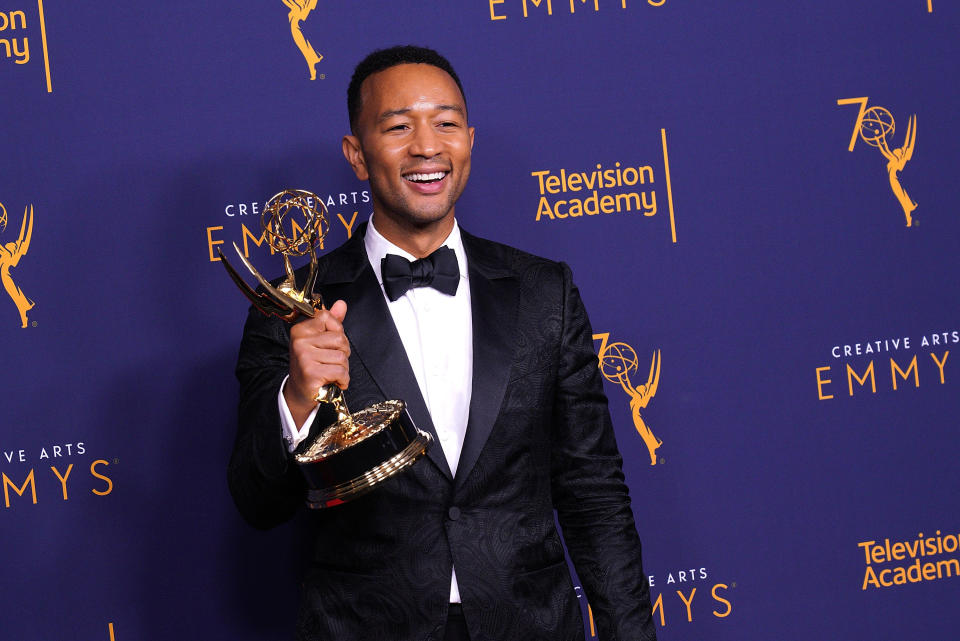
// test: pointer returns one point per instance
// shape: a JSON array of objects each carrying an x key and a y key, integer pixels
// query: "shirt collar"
[{"x": 377, "y": 247}]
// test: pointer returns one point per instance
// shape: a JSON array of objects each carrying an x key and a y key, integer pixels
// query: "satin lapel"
[
  {"x": 493, "y": 298},
  {"x": 374, "y": 339}
]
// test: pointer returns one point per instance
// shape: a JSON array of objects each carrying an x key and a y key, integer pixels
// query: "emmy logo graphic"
[
  {"x": 10, "y": 255},
  {"x": 617, "y": 362},
  {"x": 874, "y": 125},
  {"x": 299, "y": 10}
]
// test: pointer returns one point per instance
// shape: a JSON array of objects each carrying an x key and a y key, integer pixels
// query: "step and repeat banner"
[{"x": 758, "y": 202}]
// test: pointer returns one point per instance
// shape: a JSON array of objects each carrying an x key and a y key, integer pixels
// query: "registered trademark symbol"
[
  {"x": 733, "y": 585},
  {"x": 33, "y": 324},
  {"x": 115, "y": 461},
  {"x": 323, "y": 76},
  {"x": 662, "y": 460}
]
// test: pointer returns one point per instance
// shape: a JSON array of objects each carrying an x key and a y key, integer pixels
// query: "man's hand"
[{"x": 319, "y": 355}]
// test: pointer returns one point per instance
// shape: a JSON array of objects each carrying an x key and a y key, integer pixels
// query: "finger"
[
  {"x": 317, "y": 376},
  {"x": 309, "y": 325},
  {"x": 306, "y": 386},
  {"x": 312, "y": 368},
  {"x": 306, "y": 346},
  {"x": 331, "y": 323},
  {"x": 324, "y": 321},
  {"x": 338, "y": 310},
  {"x": 324, "y": 356}
]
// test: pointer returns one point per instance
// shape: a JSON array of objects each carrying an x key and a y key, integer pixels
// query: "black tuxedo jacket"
[{"x": 539, "y": 439}]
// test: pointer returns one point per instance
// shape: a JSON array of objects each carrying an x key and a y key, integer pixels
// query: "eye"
[{"x": 399, "y": 127}]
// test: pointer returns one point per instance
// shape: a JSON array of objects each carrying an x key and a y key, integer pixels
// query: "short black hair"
[{"x": 384, "y": 59}]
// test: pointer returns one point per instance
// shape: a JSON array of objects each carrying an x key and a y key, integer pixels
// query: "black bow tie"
[{"x": 438, "y": 270}]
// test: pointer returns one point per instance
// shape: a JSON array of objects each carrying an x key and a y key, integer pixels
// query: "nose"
[{"x": 426, "y": 142}]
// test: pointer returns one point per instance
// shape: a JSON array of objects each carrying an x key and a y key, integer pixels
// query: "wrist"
[{"x": 299, "y": 403}]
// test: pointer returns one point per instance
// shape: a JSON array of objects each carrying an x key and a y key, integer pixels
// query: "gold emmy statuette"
[{"x": 359, "y": 450}]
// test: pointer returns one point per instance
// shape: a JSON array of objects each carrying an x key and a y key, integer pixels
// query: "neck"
[{"x": 418, "y": 240}]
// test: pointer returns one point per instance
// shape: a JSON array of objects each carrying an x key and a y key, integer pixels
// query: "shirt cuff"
[{"x": 293, "y": 434}]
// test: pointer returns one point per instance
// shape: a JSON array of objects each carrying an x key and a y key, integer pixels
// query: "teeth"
[{"x": 422, "y": 178}]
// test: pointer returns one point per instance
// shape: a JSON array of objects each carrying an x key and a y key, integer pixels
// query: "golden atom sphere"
[
  {"x": 294, "y": 222},
  {"x": 876, "y": 125},
  {"x": 618, "y": 362}
]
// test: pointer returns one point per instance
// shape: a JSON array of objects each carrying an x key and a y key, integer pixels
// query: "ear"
[
  {"x": 354, "y": 155},
  {"x": 471, "y": 130}
]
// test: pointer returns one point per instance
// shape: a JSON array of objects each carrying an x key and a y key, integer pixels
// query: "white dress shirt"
[{"x": 437, "y": 334}]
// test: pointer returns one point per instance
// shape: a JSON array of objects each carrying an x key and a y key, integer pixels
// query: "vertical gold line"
[
  {"x": 593, "y": 630},
  {"x": 46, "y": 57},
  {"x": 929, "y": 6},
  {"x": 110, "y": 625},
  {"x": 666, "y": 167}
]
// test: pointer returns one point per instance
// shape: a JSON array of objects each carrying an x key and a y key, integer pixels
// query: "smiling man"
[
  {"x": 492, "y": 351},
  {"x": 412, "y": 142}
]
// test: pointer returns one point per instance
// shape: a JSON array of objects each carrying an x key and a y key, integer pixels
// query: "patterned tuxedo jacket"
[{"x": 539, "y": 439}]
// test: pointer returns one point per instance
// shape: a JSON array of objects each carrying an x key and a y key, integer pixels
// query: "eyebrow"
[{"x": 400, "y": 112}]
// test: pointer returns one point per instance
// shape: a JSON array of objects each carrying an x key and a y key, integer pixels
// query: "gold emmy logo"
[
  {"x": 299, "y": 10},
  {"x": 874, "y": 125},
  {"x": 617, "y": 362},
  {"x": 10, "y": 255}
]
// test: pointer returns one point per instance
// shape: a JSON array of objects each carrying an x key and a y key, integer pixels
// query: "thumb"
[{"x": 339, "y": 310}]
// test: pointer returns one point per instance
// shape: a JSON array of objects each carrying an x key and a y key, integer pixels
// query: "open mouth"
[{"x": 426, "y": 178}]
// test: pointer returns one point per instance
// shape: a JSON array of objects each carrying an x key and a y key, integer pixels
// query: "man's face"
[{"x": 412, "y": 143}]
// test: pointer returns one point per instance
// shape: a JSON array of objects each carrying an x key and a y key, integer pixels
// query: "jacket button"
[{"x": 454, "y": 513}]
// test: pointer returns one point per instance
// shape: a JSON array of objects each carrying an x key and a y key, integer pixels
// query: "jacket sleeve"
[
  {"x": 589, "y": 493},
  {"x": 266, "y": 485}
]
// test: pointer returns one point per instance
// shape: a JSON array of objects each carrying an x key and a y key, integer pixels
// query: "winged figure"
[
  {"x": 639, "y": 397},
  {"x": 10, "y": 255},
  {"x": 299, "y": 10},
  {"x": 896, "y": 160}
]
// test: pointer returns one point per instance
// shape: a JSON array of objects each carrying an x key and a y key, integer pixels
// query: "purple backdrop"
[{"x": 751, "y": 251}]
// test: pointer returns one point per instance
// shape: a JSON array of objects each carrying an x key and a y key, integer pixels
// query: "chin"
[{"x": 424, "y": 218}]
